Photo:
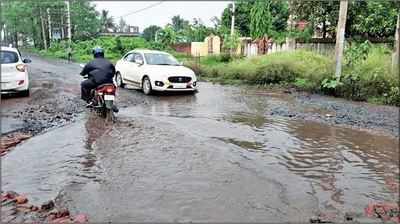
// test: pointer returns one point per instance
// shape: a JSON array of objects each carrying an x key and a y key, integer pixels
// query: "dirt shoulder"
[{"x": 54, "y": 101}]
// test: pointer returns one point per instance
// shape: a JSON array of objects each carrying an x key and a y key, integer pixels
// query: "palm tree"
[{"x": 107, "y": 22}]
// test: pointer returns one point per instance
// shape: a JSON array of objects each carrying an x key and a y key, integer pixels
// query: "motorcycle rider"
[{"x": 100, "y": 71}]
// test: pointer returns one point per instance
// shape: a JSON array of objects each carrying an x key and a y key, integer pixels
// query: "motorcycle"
[{"x": 103, "y": 100}]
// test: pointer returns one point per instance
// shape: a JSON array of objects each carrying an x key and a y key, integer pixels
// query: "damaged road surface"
[{"x": 225, "y": 154}]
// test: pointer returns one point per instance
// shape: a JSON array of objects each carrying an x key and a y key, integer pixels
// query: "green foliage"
[
  {"x": 86, "y": 20},
  {"x": 195, "y": 32},
  {"x": 373, "y": 18},
  {"x": 242, "y": 16},
  {"x": 356, "y": 53},
  {"x": 369, "y": 75},
  {"x": 393, "y": 98},
  {"x": 260, "y": 19},
  {"x": 179, "y": 23},
  {"x": 366, "y": 18},
  {"x": 370, "y": 78},
  {"x": 304, "y": 35},
  {"x": 277, "y": 19},
  {"x": 106, "y": 21},
  {"x": 149, "y": 33},
  {"x": 275, "y": 68},
  {"x": 114, "y": 47},
  {"x": 231, "y": 41},
  {"x": 331, "y": 84},
  {"x": 303, "y": 84},
  {"x": 168, "y": 36}
]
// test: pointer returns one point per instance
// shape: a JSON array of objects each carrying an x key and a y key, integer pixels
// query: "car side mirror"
[
  {"x": 26, "y": 61},
  {"x": 139, "y": 61}
]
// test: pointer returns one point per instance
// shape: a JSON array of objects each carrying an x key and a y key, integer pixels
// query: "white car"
[
  {"x": 14, "y": 72},
  {"x": 154, "y": 71}
]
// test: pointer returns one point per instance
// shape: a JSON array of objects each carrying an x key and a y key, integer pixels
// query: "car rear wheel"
[
  {"x": 119, "y": 81},
  {"x": 146, "y": 86}
]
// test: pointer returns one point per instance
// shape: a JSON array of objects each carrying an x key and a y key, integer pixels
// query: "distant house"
[{"x": 131, "y": 31}]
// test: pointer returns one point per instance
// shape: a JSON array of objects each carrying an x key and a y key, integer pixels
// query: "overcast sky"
[{"x": 160, "y": 13}]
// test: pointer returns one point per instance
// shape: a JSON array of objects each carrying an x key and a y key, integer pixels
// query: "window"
[
  {"x": 160, "y": 59},
  {"x": 138, "y": 56},
  {"x": 130, "y": 57},
  {"x": 8, "y": 57}
]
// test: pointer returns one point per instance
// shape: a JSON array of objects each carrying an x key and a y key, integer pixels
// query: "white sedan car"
[
  {"x": 154, "y": 71},
  {"x": 14, "y": 72}
]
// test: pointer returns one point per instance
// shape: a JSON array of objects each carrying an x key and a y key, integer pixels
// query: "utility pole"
[
  {"x": 232, "y": 24},
  {"x": 43, "y": 30},
  {"x": 49, "y": 22},
  {"x": 69, "y": 22},
  {"x": 396, "y": 58},
  {"x": 62, "y": 27},
  {"x": 233, "y": 19},
  {"x": 340, "y": 38}
]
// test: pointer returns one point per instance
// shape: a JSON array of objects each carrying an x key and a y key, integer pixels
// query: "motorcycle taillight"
[{"x": 109, "y": 90}]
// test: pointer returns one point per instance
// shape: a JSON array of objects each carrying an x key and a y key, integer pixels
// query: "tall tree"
[
  {"x": 260, "y": 19},
  {"x": 85, "y": 20},
  {"x": 122, "y": 25},
  {"x": 107, "y": 22},
  {"x": 278, "y": 9},
  {"x": 196, "y": 31},
  {"x": 179, "y": 23},
  {"x": 168, "y": 36},
  {"x": 242, "y": 16},
  {"x": 149, "y": 33},
  {"x": 367, "y": 18}
]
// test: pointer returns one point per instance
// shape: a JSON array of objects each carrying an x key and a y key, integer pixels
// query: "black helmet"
[{"x": 98, "y": 52}]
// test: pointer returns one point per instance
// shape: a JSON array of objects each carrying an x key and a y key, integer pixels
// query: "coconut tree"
[{"x": 107, "y": 21}]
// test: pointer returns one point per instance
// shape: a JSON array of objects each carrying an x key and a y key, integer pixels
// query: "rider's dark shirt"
[{"x": 99, "y": 70}]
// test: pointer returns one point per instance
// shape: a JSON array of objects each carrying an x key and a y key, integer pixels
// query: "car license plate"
[
  {"x": 180, "y": 86},
  {"x": 109, "y": 97}
]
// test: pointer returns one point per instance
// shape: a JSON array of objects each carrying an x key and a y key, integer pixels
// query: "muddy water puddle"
[{"x": 217, "y": 155}]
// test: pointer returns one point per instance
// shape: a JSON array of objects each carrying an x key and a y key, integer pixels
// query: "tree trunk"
[
  {"x": 324, "y": 29},
  {"x": 16, "y": 39},
  {"x": 43, "y": 31},
  {"x": 340, "y": 37}
]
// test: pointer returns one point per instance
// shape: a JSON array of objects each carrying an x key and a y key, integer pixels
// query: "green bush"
[
  {"x": 114, "y": 47},
  {"x": 276, "y": 68},
  {"x": 368, "y": 77},
  {"x": 371, "y": 77}
]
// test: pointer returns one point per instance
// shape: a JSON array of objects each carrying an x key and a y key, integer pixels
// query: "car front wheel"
[
  {"x": 146, "y": 86},
  {"x": 119, "y": 81}
]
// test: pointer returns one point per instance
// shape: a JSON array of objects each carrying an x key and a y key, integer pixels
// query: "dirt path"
[{"x": 225, "y": 154}]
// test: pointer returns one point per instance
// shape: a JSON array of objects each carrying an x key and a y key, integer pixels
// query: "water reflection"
[{"x": 350, "y": 166}]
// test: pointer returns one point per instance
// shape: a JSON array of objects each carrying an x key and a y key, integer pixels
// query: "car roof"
[
  {"x": 8, "y": 49},
  {"x": 148, "y": 51}
]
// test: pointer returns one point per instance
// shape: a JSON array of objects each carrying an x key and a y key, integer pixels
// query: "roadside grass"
[
  {"x": 370, "y": 80},
  {"x": 278, "y": 68}
]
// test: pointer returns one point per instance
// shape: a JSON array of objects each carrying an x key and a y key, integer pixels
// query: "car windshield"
[
  {"x": 160, "y": 59},
  {"x": 8, "y": 57}
]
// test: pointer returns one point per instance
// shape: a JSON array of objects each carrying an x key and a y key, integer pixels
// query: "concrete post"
[{"x": 340, "y": 38}]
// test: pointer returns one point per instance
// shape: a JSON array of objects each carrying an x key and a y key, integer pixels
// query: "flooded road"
[{"x": 225, "y": 154}]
